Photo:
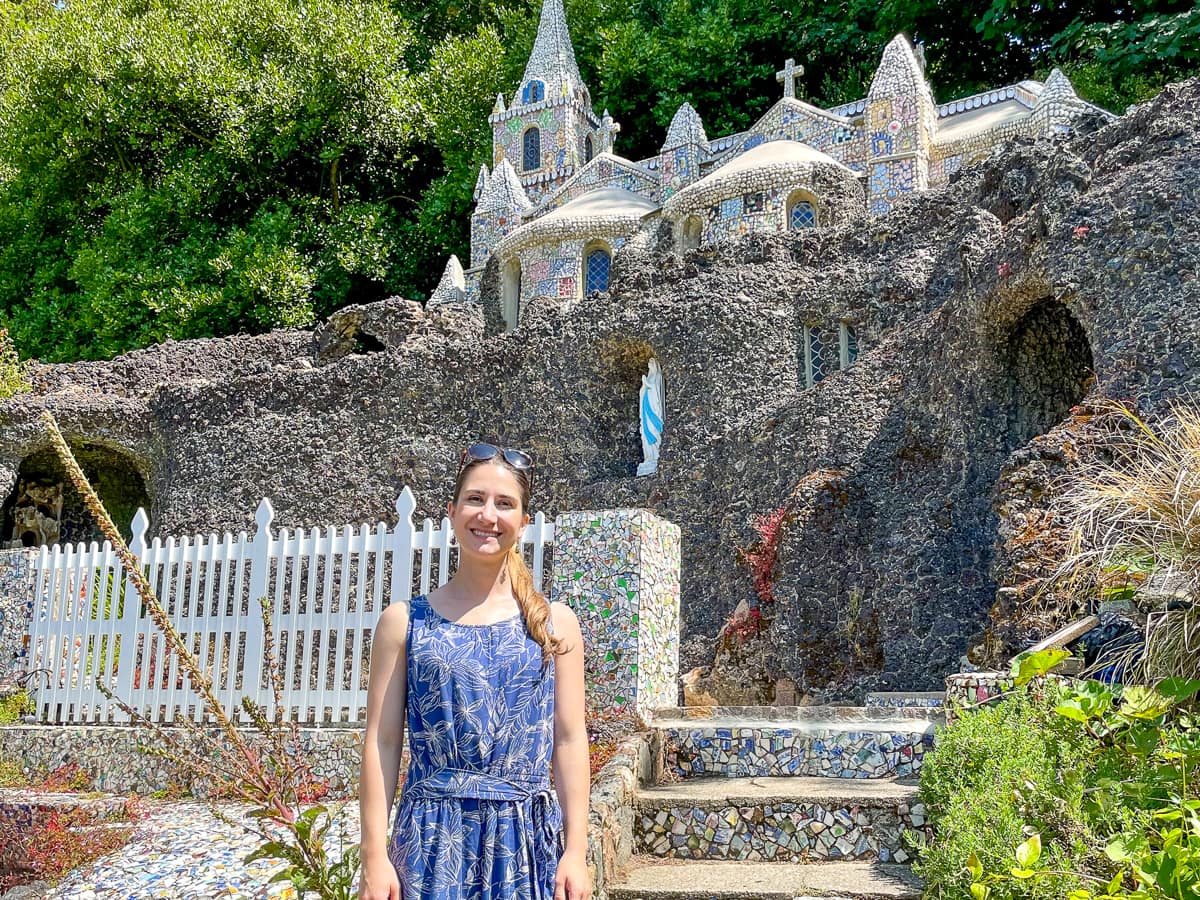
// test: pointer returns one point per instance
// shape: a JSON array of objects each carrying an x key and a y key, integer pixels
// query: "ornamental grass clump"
[
  {"x": 1135, "y": 513},
  {"x": 267, "y": 768}
]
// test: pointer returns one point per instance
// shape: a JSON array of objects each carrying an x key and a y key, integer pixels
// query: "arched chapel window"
[
  {"x": 801, "y": 215},
  {"x": 596, "y": 267},
  {"x": 531, "y": 151},
  {"x": 589, "y": 149},
  {"x": 534, "y": 92}
]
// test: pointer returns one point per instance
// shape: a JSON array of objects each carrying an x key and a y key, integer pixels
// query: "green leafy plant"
[{"x": 13, "y": 376}]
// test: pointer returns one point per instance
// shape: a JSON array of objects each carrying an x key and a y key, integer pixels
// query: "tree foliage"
[{"x": 185, "y": 168}]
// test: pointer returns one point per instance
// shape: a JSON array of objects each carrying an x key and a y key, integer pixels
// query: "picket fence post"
[{"x": 261, "y": 551}]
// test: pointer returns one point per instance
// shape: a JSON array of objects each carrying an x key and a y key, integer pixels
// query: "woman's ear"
[{"x": 450, "y": 509}]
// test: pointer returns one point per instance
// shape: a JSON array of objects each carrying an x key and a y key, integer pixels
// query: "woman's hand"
[
  {"x": 572, "y": 881},
  {"x": 379, "y": 880}
]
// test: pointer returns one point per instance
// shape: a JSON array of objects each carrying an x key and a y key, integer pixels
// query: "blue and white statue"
[{"x": 651, "y": 407}]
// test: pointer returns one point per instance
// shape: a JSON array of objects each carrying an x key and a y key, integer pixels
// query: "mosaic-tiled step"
[
  {"x": 776, "y": 819},
  {"x": 678, "y": 880},
  {"x": 818, "y": 741},
  {"x": 906, "y": 700},
  {"x": 29, "y": 809}
]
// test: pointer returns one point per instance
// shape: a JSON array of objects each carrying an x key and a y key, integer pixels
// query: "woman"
[{"x": 489, "y": 677}]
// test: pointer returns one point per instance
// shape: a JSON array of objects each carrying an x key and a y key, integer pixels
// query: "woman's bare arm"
[
  {"x": 572, "y": 767},
  {"x": 382, "y": 747}
]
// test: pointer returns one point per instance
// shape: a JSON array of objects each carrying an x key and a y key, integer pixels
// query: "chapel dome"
[
  {"x": 772, "y": 164},
  {"x": 608, "y": 212}
]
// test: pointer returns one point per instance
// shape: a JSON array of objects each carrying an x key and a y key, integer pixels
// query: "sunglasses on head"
[{"x": 482, "y": 452}]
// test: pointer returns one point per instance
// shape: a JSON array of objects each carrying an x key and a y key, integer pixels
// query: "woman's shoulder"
[
  {"x": 393, "y": 621},
  {"x": 563, "y": 618}
]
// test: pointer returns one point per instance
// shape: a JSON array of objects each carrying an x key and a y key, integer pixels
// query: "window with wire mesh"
[
  {"x": 816, "y": 358},
  {"x": 803, "y": 215},
  {"x": 598, "y": 263},
  {"x": 849, "y": 342},
  {"x": 531, "y": 157}
]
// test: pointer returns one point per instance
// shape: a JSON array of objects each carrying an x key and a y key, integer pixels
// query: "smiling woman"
[{"x": 487, "y": 678}]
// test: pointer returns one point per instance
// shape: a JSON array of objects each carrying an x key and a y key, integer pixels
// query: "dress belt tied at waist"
[{"x": 472, "y": 784}]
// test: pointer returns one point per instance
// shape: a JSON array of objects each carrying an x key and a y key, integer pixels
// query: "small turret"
[
  {"x": 1057, "y": 106},
  {"x": 682, "y": 151},
  {"x": 901, "y": 120},
  {"x": 453, "y": 286},
  {"x": 502, "y": 203}
]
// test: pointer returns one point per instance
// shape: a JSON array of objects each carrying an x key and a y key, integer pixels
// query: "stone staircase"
[{"x": 766, "y": 804}]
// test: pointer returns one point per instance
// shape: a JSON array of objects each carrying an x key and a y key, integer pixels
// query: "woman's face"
[{"x": 488, "y": 517}]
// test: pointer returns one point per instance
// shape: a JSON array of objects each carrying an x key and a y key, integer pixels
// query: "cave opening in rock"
[
  {"x": 44, "y": 508},
  {"x": 1049, "y": 369}
]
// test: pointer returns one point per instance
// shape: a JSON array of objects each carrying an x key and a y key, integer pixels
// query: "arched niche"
[
  {"x": 44, "y": 507},
  {"x": 614, "y": 404},
  {"x": 510, "y": 293},
  {"x": 691, "y": 233},
  {"x": 1049, "y": 367}
]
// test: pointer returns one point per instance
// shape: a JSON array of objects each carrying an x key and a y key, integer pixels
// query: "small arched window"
[
  {"x": 690, "y": 237},
  {"x": 596, "y": 266},
  {"x": 531, "y": 150},
  {"x": 801, "y": 215},
  {"x": 533, "y": 92},
  {"x": 589, "y": 149}
]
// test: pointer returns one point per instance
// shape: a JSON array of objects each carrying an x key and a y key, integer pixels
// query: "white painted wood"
[{"x": 327, "y": 586}]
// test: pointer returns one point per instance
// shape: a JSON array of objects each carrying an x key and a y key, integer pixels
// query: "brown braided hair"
[{"x": 535, "y": 608}]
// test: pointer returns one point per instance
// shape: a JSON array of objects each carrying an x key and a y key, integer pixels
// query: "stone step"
[
  {"x": 815, "y": 741},
  {"x": 777, "y": 819},
  {"x": 677, "y": 880}
]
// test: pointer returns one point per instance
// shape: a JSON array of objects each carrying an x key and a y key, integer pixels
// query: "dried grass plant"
[
  {"x": 1135, "y": 513},
  {"x": 265, "y": 767}
]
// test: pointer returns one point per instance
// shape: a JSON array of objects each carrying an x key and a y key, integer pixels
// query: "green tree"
[{"x": 197, "y": 167}]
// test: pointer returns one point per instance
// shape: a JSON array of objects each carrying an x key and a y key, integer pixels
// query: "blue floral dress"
[{"x": 477, "y": 818}]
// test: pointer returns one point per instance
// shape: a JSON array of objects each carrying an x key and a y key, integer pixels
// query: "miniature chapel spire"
[{"x": 552, "y": 61}]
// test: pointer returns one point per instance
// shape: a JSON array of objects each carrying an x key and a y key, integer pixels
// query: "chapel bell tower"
[{"x": 549, "y": 130}]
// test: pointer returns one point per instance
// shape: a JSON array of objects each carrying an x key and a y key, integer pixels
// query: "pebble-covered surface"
[
  {"x": 780, "y": 831},
  {"x": 183, "y": 852},
  {"x": 811, "y": 751}
]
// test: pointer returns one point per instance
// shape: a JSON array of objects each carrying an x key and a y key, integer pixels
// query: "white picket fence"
[{"x": 326, "y": 588}]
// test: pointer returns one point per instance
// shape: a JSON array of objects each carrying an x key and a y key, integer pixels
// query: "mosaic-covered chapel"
[{"x": 558, "y": 201}]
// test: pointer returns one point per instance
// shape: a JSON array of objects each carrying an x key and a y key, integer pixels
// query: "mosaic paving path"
[{"x": 183, "y": 852}]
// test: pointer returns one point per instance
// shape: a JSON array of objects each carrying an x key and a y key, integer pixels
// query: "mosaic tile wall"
[
  {"x": 17, "y": 588},
  {"x": 619, "y": 571},
  {"x": 824, "y": 750},
  {"x": 602, "y": 173},
  {"x": 678, "y": 168},
  {"x": 110, "y": 755},
  {"x": 562, "y": 125},
  {"x": 838, "y": 137},
  {"x": 887, "y": 700},
  {"x": 554, "y": 270},
  {"x": 780, "y": 830}
]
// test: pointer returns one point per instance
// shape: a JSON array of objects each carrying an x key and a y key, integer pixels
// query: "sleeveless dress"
[{"x": 477, "y": 818}]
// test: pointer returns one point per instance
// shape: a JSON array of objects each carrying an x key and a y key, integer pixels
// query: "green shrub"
[
  {"x": 13, "y": 380},
  {"x": 994, "y": 774},
  {"x": 13, "y": 706}
]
